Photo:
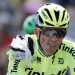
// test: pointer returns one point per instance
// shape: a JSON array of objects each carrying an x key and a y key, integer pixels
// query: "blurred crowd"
[{"x": 12, "y": 15}]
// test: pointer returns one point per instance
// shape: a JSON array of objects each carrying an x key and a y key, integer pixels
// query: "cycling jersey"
[{"x": 56, "y": 64}]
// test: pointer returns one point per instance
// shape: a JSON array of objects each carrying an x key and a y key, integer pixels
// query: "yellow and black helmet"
[{"x": 52, "y": 15}]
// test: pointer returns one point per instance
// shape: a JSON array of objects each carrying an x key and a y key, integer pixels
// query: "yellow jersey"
[{"x": 56, "y": 64}]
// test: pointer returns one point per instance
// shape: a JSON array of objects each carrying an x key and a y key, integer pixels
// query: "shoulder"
[
  {"x": 68, "y": 43},
  {"x": 68, "y": 47},
  {"x": 19, "y": 42},
  {"x": 19, "y": 47},
  {"x": 33, "y": 37}
]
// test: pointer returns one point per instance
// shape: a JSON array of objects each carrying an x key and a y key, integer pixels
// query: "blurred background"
[{"x": 12, "y": 15}]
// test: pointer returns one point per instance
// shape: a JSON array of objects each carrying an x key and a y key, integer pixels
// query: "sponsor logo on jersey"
[
  {"x": 61, "y": 72},
  {"x": 15, "y": 66},
  {"x": 30, "y": 72},
  {"x": 60, "y": 61},
  {"x": 53, "y": 58},
  {"x": 37, "y": 59},
  {"x": 66, "y": 48}
]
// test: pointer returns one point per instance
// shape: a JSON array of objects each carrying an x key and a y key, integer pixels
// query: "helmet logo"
[
  {"x": 67, "y": 17},
  {"x": 44, "y": 14},
  {"x": 56, "y": 8}
]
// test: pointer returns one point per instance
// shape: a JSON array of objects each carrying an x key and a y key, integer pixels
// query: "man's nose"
[{"x": 54, "y": 37}]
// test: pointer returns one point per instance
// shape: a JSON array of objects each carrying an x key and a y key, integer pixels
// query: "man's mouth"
[{"x": 51, "y": 45}]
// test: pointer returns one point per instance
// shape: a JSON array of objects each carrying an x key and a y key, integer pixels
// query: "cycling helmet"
[
  {"x": 28, "y": 26},
  {"x": 52, "y": 15}
]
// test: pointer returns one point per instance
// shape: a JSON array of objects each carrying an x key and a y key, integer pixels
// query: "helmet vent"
[
  {"x": 49, "y": 14},
  {"x": 63, "y": 15},
  {"x": 40, "y": 19},
  {"x": 63, "y": 25},
  {"x": 57, "y": 15},
  {"x": 49, "y": 24},
  {"x": 48, "y": 3}
]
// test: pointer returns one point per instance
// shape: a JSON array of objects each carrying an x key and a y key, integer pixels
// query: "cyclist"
[
  {"x": 46, "y": 52},
  {"x": 28, "y": 25}
]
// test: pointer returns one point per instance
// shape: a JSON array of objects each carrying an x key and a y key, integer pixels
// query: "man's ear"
[{"x": 36, "y": 32}]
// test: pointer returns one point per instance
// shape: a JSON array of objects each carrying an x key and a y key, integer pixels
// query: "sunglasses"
[{"x": 52, "y": 32}]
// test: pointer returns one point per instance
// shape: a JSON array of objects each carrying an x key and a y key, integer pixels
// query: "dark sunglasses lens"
[
  {"x": 59, "y": 33},
  {"x": 46, "y": 32}
]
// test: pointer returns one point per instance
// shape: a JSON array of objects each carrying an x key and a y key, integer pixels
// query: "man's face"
[{"x": 49, "y": 43}]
